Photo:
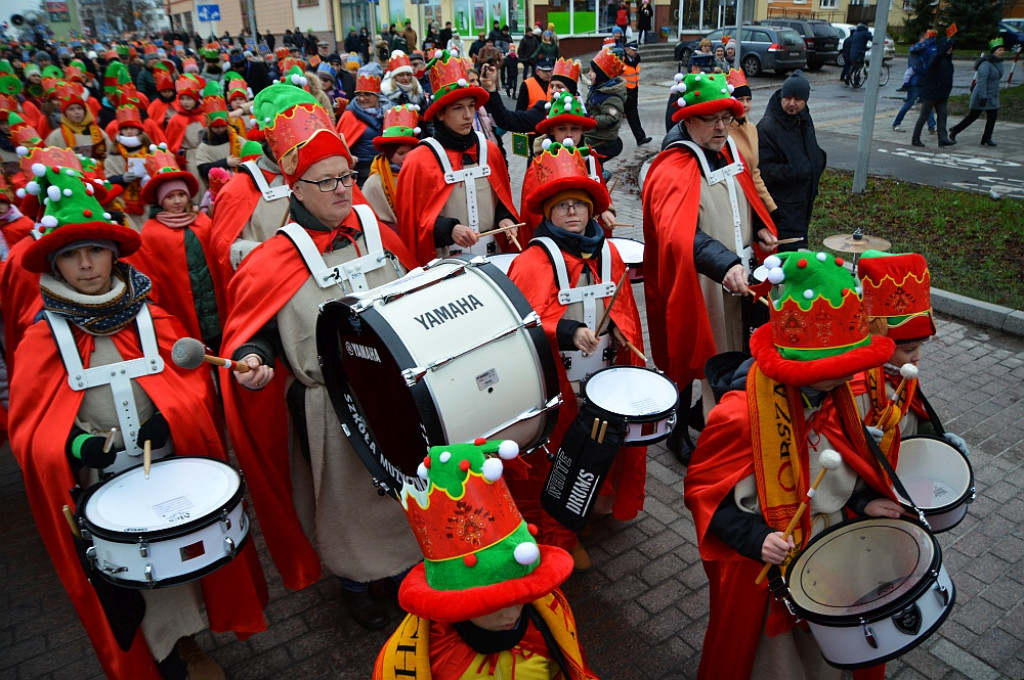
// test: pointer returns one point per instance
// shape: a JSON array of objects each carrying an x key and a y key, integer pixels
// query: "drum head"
[
  {"x": 502, "y": 261},
  {"x": 860, "y": 567},
  {"x": 631, "y": 251},
  {"x": 632, "y": 392},
  {"x": 934, "y": 473},
  {"x": 179, "y": 491}
]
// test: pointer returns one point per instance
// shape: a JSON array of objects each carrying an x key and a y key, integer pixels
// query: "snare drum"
[
  {"x": 642, "y": 397},
  {"x": 870, "y": 590},
  {"x": 632, "y": 253},
  {"x": 939, "y": 479},
  {"x": 185, "y": 521},
  {"x": 449, "y": 353},
  {"x": 502, "y": 261}
]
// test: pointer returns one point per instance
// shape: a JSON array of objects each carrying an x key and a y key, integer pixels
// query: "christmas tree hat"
[
  {"x": 897, "y": 295},
  {"x": 703, "y": 94},
  {"x": 565, "y": 109},
  {"x": 401, "y": 126},
  {"x": 480, "y": 555}
]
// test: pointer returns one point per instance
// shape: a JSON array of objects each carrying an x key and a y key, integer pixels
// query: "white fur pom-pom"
[
  {"x": 679, "y": 77},
  {"x": 808, "y": 294},
  {"x": 21, "y": 193},
  {"x": 821, "y": 257},
  {"x": 461, "y": 82},
  {"x": 67, "y": 193},
  {"x": 830, "y": 459},
  {"x": 295, "y": 79},
  {"x": 908, "y": 371},
  {"x": 38, "y": 169},
  {"x": 776, "y": 275},
  {"x": 439, "y": 54},
  {"x": 417, "y": 130},
  {"x": 422, "y": 472},
  {"x": 526, "y": 553},
  {"x": 48, "y": 221},
  {"x": 508, "y": 449},
  {"x": 107, "y": 216},
  {"x": 303, "y": 81},
  {"x": 53, "y": 192},
  {"x": 153, "y": 148},
  {"x": 21, "y": 151},
  {"x": 33, "y": 188},
  {"x": 772, "y": 261},
  {"x": 445, "y": 456},
  {"x": 546, "y": 144},
  {"x": 547, "y": 106},
  {"x": 731, "y": 88},
  {"x": 680, "y": 102},
  {"x": 568, "y": 141},
  {"x": 492, "y": 469}
]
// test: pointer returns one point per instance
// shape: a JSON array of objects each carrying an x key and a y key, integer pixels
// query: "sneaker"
[
  {"x": 200, "y": 666},
  {"x": 897, "y": 128},
  {"x": 580, "y": 558},
  {"x": 933, "y": 131},
  {"x": 902, "y": 88},
  {"x": 917, "y": 142}
]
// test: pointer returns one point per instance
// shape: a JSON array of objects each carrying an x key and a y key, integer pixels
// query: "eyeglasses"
[
  {"x": 331, "y": 183},
  {"x": 711, "y": 122},
  {"x": 570, "y": 206}
]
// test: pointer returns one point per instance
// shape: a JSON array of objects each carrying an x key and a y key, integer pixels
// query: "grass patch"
[
  {"x": 1011, "y": 104},
  {"x": 974, "y": 244}
]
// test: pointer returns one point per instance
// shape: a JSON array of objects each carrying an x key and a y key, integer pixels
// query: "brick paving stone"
[
  {"x": 987, "y": 567},
  {"x": 979, "y": 615},
  {"x": 666, "y": 595},
  {"x": 666, "y": 566},
  {"x": 996, "y": 647}
]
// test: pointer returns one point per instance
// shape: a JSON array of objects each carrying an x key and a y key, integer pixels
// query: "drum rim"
[
  {"x": 953, "y": 505},
  {"x": 614, "y": 240},
  {"x": 649, "y": 418},
  {"x": 884, "y": 611},
  {"x": 129, "y": 538},
  {"x": 183, "y": 578}
]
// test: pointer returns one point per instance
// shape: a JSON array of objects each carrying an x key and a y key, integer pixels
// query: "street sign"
[{"x": 208, "y": 12}]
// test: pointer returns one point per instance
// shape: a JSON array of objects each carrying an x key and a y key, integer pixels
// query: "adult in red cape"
[
  {"x": 689, "y": 230},
  {"x": 744, "y": 482},
  {"x": 361, "y": 122},
  {"x": 433, "y": 217},
  {"x": 580, "y": 243},
  {"x": 273, "y": 303},
  {"x": 57, "y": 446}
]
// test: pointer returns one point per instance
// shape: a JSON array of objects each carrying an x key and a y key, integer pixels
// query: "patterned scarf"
[
  {"x": 88, "y": 126},
  {"x": 132, "y": 196},
  {"x": 99, "y": 314},
  {"x": 382, "y": 166}
]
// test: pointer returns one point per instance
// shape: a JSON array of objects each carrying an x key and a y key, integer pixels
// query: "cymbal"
[{"x": 851, "y": 243}]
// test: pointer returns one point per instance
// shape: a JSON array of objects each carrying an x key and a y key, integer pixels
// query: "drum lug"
[
  {"x": 869, "y": 634},
  {"x": 90, "y": 554},
  {"x": 149, "y": 573},
  {"x": 225, "y": 520},
  {"x": 941, "y": 591},
  {"x": 383, "y": 488},
  {"x": 143, "y": 548},
  {"x": 973, "y": 495},
  {"x": 229, "y": 546}
]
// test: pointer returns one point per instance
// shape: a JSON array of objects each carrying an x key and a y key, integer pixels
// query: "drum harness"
[
  {"x": 241, "y": 248},
  {"x": 466, "y": 175},
  {"x": 353, "y": 271},
  {"x": 118, "y": 375},
  {"x": 586, "y": 295}
]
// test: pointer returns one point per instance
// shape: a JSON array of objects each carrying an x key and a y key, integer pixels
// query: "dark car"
[
  {"x": 1012, "y": 32},
  {"x": 821, "y": 38},
  {"x": 763, "y": 48}
]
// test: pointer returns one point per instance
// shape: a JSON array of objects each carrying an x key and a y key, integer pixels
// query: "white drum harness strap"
[
  {"x": 467, "y": 176},
  {"x": 354, "y": 271},
  {"x": 269, "y": 193}
]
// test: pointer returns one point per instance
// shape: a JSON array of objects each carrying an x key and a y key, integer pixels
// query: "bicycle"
[{"x": 859, "y": 74}]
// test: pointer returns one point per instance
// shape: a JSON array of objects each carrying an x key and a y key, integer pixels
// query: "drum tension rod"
[
  {"x": 869, "y": 634},
  {"x": 940, "y": 590}
]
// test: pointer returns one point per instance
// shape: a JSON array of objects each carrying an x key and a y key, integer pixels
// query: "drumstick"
[
  {"x": 71, "y": 522},
  {"x": 147, "y": 457},
  {"x": 593, "y": 430},
  {"x": 501, "y": 229},
  {"x": 190, "y": 353},
  {"x": 608, "y": 309},
  {"x": 830, "y": 460},
  {"x": 611, "y": 188},
  {"x": 619, "y": 224},
  {"x": 634, "y": 350},
  {"x": 109, "y": 440},
  {"x": 515, "y": 242},
  {"x": 604, "y": 430},
  {"x": 784, "y": 241}
]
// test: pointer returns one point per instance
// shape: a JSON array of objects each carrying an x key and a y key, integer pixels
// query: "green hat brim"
[
  {"x": 801, "y": 373},
  {"x": 565, "y": 119},
  {"x": 478, "y": 93},
  {"x": 707, "y": 108}
]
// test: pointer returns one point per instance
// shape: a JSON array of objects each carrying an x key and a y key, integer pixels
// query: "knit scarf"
[
  {"x": 103, "y": 314},
  {"x": 88, "y": 127},
  {"x": 583, "y": 245},
  {"x": 132, "y": 196},
  {"x": 12, "y": 214},
  {"x": 382, "y": 166},
  {"x": 175, "y": 220}
]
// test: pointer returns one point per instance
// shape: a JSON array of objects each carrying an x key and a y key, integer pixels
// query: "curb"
[{"x": 982, "y": 313}]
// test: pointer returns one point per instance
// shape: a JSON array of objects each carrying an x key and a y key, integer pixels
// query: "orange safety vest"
[
  {"x": 537, "y": 92},
  {"x": 631, "y": 74}
]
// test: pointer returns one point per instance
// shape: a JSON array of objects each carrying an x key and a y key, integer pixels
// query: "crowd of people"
[{"x": 152, "y": 193}]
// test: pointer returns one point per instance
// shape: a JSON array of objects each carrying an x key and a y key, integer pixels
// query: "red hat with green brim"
[
  {"x": 701, "y": 94},
  {"x": 448, "y": 80},
  {"x": 561, "y": 168},
  {"x": 818, "y": 329},
  {"x": 479, "y": 554},
  {"x": 162, "y": 166},
  {"x": 401, "y": 126},
  {"x": 72, "y": 214},
  {"x": 565, "y": 109},
  {"x": 897, "y": 288}
]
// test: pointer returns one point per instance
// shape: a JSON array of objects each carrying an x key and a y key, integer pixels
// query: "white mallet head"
[
  {"x": 188, "y": 353},
  {"x": 908, "y": 371},
  {"x": 830, "y": 459}
]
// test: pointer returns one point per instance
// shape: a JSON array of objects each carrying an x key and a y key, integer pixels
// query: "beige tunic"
[
  {"x": 359, "y": 534},
  {"x": 83, "y": 143},
  {"x": 190, "y": 143},
  {"x": 373, "y": 190},
  {"x": 745, "y": 136},
  {"x": 457, "y": 207},
  {"x": 208, "y": 153}
]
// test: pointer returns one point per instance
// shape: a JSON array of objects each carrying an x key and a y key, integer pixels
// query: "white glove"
[
  {"x": 129, "y": 176},
  {"x": 876, "y": 434},
  {"x": 957, "y": 442}
]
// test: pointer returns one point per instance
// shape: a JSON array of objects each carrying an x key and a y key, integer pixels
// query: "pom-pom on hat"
[
  {"x": 609, "y": 63},
  {"x": 189, "y": 85},
  {"x": 72, "y": 213},
  {"x": 818, "y": 329},
  {"x": 401, "y": 126},
  {"x": 448, "y": 80},
  {"x": 897, "y": 288},
  {"x": 399, "y": 62},
  {"x": 565, "y": 109},
  {"x": 480, "y": 556},
  {"x": 162, "y": 166},
  {"x": 298, "y": 130},
  {"x": 562, "y": 168},
  {"x": 702, "y": 94}
]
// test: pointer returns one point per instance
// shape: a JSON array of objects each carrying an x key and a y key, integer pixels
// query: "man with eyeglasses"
[
  {"x": 704, "y": 225},
  {"x": 308, "y": 486}
]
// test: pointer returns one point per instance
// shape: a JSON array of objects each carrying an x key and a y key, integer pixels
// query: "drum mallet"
[
  {"x": 608, "y": 309},
  {"x": 909, "y": 372},
  {"x": 190, "y": 353},
  {"x": 830, "y": 460},
  {"x": 71, "y": 522}
]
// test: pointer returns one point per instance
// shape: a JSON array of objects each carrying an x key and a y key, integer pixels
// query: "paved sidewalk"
[{"x": 643, "y": 607}]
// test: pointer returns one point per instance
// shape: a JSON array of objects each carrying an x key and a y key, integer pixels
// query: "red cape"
[
  {"x": 236, "y": 202},
  {"x": 175, "y": 130},
  {"x": 675, "y": 305},
  {"x": 15, "y": 231},
  {"x": 19, "y": 298},
  {"x": 257, "y": 421},
  {"x": 351, "y": 128},
  {"x": 43, "y": 408},
  {"x": 422, "y": 192},
  {"x": 157, "y": 111}
]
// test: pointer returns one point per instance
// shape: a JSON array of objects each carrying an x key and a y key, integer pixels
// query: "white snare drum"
[
  {"x": 870, "y": 590},
  {"x": 632, "y": 253},
  {"x": 185, "y": 521},
  {"x": 643, "y": 397},
  {"x": 502, "y": 261},
  {"x": 448, "y": 353},
  {"x": 939, "y": 479},
  {"x": 580, "y": 367}
]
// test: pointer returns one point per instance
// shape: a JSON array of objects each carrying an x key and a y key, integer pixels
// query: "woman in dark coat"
[{"x": 985, "y": 95}]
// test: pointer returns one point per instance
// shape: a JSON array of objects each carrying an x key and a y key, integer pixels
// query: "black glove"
[
  {"x": 89, "y": 450},
  {"x": 155, "y": 430}
]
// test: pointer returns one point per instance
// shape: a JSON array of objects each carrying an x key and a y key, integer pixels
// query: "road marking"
[
  {"x": 1004, "y": 187},
  {"x": 955, "y": 161}
]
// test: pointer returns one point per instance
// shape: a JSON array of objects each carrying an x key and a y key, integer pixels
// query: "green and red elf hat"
[
  {"x": 10, "y": 84},
  {"x": 23, "y": 135},
  {"x": 214, "y": 106},
  {"x": 560, "y": 168},
  {"x": 819, "y": 328},
  {"x": 114, "y": 78},
  {"x": 897, "y": 295},
  {"x": 162, "y": 166},
  {"x": 480, "y": 556},
  {"x": 75, "y": 72},
  {"x": 71, "y": 213},
  {"x": 237, "y": 87},
  {"x": 565, "y": 109},
  {"x": 163, "y": 75},
  {"x": 128, "y": 116},
  {"x": 297, "y": 129},
  {"x": 189, "y": 85},
  {"x": 251, "y": 151},
  {"x": 401, "y": 126},
  {"x": 448, "y": 80},
  {"x": 210, "y": 52},
  {"x": 702, "y": 94},
  {"x": 67, "y": 94}
]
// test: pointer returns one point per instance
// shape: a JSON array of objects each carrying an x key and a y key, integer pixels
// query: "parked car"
[
  {"x": 821, "y": 38},
  {"x": 763, "y": 48},
  {"x": 844, "y": 30},
  {"x": 1012, "y": 32}
]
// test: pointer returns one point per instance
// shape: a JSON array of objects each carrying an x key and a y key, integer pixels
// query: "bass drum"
[
  {"x": 450, "y": 352},
  {"x": 870, "y": 590}
]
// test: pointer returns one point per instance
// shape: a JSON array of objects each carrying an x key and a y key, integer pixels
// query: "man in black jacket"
[
  {"x": 938, "y": 83},
  {"x": 791, "y": 162},
  {"x": 254, "y": 73}
]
